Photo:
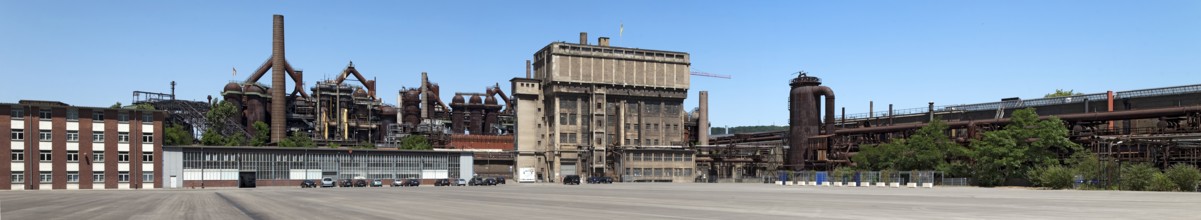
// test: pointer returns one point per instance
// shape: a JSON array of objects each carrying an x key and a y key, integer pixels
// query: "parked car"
[
  {"x": 600, "y": 180},
  {"x": 411, "y": 182},
  {"x": 308, "y": 184},
  {"x": 500, "y": 180},
  {"x": 476, "y": 181},
  {"x": 377, "y": 183},
  {"x": 397, "y": 182},
  {"x": 347, "y": 183},
  {"x": 489, "y": 181},
  {"x": 360, "y": 183},
  {"x": 328, "y": 182},
  {"x": 442, "y": 182},
  {"x": 571, "y": 180},
  {"x": 461, "y": 182}
]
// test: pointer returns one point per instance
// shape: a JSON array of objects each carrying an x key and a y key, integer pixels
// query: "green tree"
[
  {"x": 1054, "y": 176},
  {"x": 177, "y": 135},
  {"x": 1086, "y": 165},
  {"x": 235, "y": 140},
  {"x": 1185, "y": 176},
  {"x": 1138, "y": 176},
  {"x": 297, "y": 139},
  {"x": 211, "y": 137},
  {"x": 262, "y": 134},
  {"x": 118, "y": 105},
  {"x": 415, "y": 142},
  {"x": 1161, "y": 182},
  {"x": 929, "y": 148},
  {"x": 1062, "y": 93},
  {"x": 144, "y": 106},
  {"x": 1026, "y": 142}
]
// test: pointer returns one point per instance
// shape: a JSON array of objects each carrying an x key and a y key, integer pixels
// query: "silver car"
[{"x": 327, "y": 182}]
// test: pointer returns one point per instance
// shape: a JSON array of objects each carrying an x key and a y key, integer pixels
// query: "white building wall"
[
  {"x": 43, "y": 145},
  {"x": 147, "y": 129},
  {"x": 123, "y": 128},
  {"x": 72, "y": 146},
  {"x": 73, "y": 126},
  {"x": 147, "y": 167},
  {"x": 18, "y": 124},
  {"x": 44, "y": 125},
  {"x": 15, "y": 166},
  {"x": 72, "y": 166},
  {"x": 122, "y": 147},
  {"x": 122, "y": 167},
  {"x": 17, "y": 145},
  {"x": 98, "y": 185}
]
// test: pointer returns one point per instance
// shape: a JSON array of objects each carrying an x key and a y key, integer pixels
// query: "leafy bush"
[
  {"x": 1055, "y": 177},
  {"x": 1138, "y": 176},
  {"x": 1185, "y": 176},
  {"x": 1161, "y": 182}
]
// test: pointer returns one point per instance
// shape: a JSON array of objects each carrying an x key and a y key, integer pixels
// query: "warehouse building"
[
  {"x": 219, "y": 166},
  {"x": 581, "y": 100},
  {"x": 53, "y": 145}
]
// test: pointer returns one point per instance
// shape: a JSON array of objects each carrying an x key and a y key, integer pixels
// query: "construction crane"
[{"x": 706, "y": 74}]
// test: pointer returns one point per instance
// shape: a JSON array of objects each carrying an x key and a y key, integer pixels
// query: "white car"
[{"x": 328, "y": 182}]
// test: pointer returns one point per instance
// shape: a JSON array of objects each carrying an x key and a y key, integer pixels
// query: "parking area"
[{"x": 598, "y": 201}]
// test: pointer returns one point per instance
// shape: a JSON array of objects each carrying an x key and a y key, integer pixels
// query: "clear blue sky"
[{"x": 95, "y": 53}]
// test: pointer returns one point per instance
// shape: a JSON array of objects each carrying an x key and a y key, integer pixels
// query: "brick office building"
[{"x": 53, "y": 145}]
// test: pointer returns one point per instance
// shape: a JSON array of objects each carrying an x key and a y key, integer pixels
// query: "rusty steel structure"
[
  {"x": 1157, "y": 125},
  {"x": 805, "y": 124}
]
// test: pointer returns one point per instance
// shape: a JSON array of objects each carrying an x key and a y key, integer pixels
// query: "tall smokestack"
[
  {"x": 584, "y": 38},
  {"x": 277, "y": 80},
  {"x": 425, "y": 98},
  {"x": 702, "y": 124},
  {"x": 603, "y": 41},
  {"x": 527, "y": 69}
]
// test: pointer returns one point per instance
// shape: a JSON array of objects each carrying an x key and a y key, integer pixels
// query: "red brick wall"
[
  {"x": 158, "y": 149},
  {"x": 135, "y": 149},
  {"x": 5, "y": 148},
  {"x": 499, "y": 142},
  {"x": 58, "y": 132},
  {"x": 31, "y": 149},
  {"x": 110, "y": 149},
  {"x": 85, "y": 149},
  {"x": 209, "y": 183}
]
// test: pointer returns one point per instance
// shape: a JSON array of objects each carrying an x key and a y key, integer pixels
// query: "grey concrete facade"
[{"x": 584, "y": 99}]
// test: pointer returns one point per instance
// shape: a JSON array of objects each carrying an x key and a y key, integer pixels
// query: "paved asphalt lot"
[{"x": 616, "y": 201}]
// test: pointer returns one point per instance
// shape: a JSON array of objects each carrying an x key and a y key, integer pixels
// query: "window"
[
  {"x": 97, "y": 137},
  {"x": 18, "y": 177},
  {"x": 72, "y": 177},
  {"x": 146, "y": 157},
  {"x": 46, "y": 176},
  {"x": 148, "y": 177},
  {"x": 18, "y": 155},
  {"x": 44, "y": 115},
  {"x": 72, "y": 114},
  {"x": 18, "y": 134},
  {"x": 72, "y": 156},
  {"x": 98, "y": 177},
  {"x": 123, "y": 176},
  {"x": 97, "y": 156},
  {"x": 97, "y": 116},
  {"x": 123, "y": 137},
  {"x": 45, "y": 156},
  {"x": 72, "y": 135},
  {"x": 147, "y": 117},
  {"x": 44, "y": 135},
  {"x": 123, "y": 117},
  {"x": 122, "y": 156},
  {"x": 17, "y": 113},
  {"x": 147, "y": 138}
]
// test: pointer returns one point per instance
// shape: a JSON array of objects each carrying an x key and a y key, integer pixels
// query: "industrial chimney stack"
[
  {"x": 277, "y": 80},
  {"x": 584, "y": 38}
]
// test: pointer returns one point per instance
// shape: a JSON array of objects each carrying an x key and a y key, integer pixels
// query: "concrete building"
[
  {"x": 53, "y": 145},
  {"x": 581, "y": 100},
  {"x": 218, "y": 166},
  {"x": 656, "y": 164}
]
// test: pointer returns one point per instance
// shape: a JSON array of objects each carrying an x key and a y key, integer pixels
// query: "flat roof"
[{"x": 269, "y": 148}]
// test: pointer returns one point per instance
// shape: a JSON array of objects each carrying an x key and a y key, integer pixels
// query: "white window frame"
[
  {"x": 17, "y": 155},
  {"x": 17, "y": 134},
  {"x": 147, "y": 157},
  {"x": 123, "y": 176},
  {"x": 97, "y": 137},
  {"x": 72, "y": 176},
  {"x": 72, "y": 136},
  {"x": 45, "y": 135},
  {"x": 98, "y": 156},
  {"x": 123, "y": 157},
  {"x": 147, "y": 177},
  {"x": 45, "y": 155},
  {"x": 45, "y": 115},
  {"x": 147, "y": 138},
  {"x": 17, "y": 177},
  {"x": 72, "y": 156},
  {"x": 17, "y": 113},
  {"x": 97, "y": 177},
  {"x": 46, "y": 177},
  {"x": 123, "y": 137}
]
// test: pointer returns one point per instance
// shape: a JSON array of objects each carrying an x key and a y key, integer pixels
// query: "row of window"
[
  {"x": 661, "y": 172},
  {"x": 73, "y": 177},
  {"x": 73, "y": 115},
  {"x": 686, "y": 157},
  {"x": 73, "y": 156},
  {"x": 46, "y": 135}
]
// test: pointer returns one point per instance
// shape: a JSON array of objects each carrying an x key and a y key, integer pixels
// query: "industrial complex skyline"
[{"x": 946, "y": 52}]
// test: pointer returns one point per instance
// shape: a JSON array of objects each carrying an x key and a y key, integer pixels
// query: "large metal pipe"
[
  {"x": 1093, "y": 116},
  {"x": 829, "y": 94},
  {"x": 278, "y": 100}
]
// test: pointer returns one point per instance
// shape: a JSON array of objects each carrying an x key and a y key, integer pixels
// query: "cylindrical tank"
[{"x": 804, "y": 119}]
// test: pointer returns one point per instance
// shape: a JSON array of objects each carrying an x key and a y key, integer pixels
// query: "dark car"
[
  {"x": 489, "y": 181},
  {"x": 476, "y": 181},
  {"x": 360, "y": 183},
  {"x": 500, "y": 180},
  {"x": 347, "y": 183},
  {"x": 411, "y": 182},
  {"x": 599, "y": 180},
  {"x": 442, "y": 182},
  {"x": 308, "y": 184},
  {"x": 571, "y": 180}
]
